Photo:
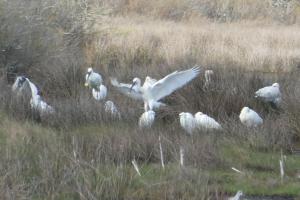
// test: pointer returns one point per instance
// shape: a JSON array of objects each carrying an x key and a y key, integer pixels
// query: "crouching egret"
[
  {"x": 250, "y": 118},
  {"x": 147, "y": 119},
  {"x": 187, "y": 122},
  {"x": 203, "y": 121},
  {"x": 111, "y": 108},
  {"x": 269, "y": 94}
]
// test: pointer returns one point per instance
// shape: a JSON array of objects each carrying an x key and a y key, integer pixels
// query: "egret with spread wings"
[{"x": 152, "y": 91}]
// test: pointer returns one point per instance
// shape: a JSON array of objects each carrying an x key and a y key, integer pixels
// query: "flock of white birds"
[{"x": 151, "y": 93}]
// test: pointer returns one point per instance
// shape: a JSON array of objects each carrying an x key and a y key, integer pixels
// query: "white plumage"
[
  {"x": 187, "y": 122},
  {"x": 250, "y": 118},
  {"x": 93, "y": 79},
  {"x": 237, "y": 196},
  {"x": 41, "y": 106},
  {"x": 152, "y": 91},
  {"x": 269, "y": 94},
  {"x": 19, "y": 84},
  {"x": 100, "y": 94},
  {"x": 134, "y": 91},
  {"x": 203, "y": 121},
  {"x": 147, "y": 119},
  {"x": 111, "y": 108}
]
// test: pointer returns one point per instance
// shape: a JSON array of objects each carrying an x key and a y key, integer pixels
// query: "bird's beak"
[{"x": 133, "y": 84}]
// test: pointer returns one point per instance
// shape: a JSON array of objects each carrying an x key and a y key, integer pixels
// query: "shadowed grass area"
[{"x": 95, "y": 162}]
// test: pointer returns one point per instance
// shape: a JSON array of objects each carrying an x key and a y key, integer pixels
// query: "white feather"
[
  {"x": 147, "y": 119},
  {"x": 101, "y": 93},
  {"x": 250, "y": 118},
  {"x": 111, "y": 108},
  {"x": 93, "y": 79},
  {"x": 203, "y": 121},
  {"x": 41, "y": 106},
  {"x": 269, "y": 94},
  {"x": 187, "y": 122},
  {"x": 169, "y": 84}
]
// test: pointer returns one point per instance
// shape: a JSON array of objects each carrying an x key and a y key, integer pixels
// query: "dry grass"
[
  {"x": 82, "y": 153},
  {"x": 161, "y": 44}
]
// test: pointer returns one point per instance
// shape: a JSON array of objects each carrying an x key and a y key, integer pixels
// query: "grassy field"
[{"x": 80, "y": 152}]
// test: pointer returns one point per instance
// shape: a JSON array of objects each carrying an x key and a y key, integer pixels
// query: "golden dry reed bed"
[{"x": 267, "y": 48}]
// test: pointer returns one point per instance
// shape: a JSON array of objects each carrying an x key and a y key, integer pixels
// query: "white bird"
[
  {"x": 250, "y": 118},
  {"x": 41, "y": 106},
  {"x": 22, "y": 83},
  {"x": 147, "y": 119},
  {"x": 101, "y": 93},
  {"x": 237, "y": 196},
  {"x": 208, "y": 74},
  {"x": 111, "y": 108},
  {"x": 269, "y": 94},
  {"x": 203, "y": 121},
  {"x": 152, "y": 93},
  {"x": 93, "y": 79},
  {"x": 134, "y": 92},
  {"x": 187, "y": 122},
  {"x": 19, "y": 84}
]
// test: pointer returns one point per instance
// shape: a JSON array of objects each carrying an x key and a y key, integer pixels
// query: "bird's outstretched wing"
[
  {"x": 172, "y": 82},
  {"x": 125, "y": 89}
]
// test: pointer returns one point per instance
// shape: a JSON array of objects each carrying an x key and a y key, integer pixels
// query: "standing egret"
[
  {"x": 93, "y": 79},
  {"x": 187, "y": 122},
  {"x": 147, "y": 119},
  {"x": 250, "y": 118},
  {"x": 237, "y": 196},
  {"x": 152, "y": 93},
  {"x": 101, "y": 93},
  {"x": 269, "y": 94},
  {"x": 111, "y": 108},
  {"x": 203, "y": 121},
  {"x": 134, "y": 92}
]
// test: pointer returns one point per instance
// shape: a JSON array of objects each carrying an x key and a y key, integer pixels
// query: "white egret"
[
  {"x": 19, "y": 84},
  {"x": 147, "y": 119},
  {"x": 100, "y": 94},
  {"x": 22, "y": 83},
  {"x": 237, "y": 196},
  {"x": 152, "y": 91},
  {"x": 111, "y": 108},
  {"x": 187, "y": 122},
  {"x": 93, "y": 79},
  {"x": 41, "y": 106},
  {"x": 134, "y": 92},
  {"x": 269, "y": 94},
  {"x": 203, "y": 121},
  {"x": 250, "y": 118}
]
